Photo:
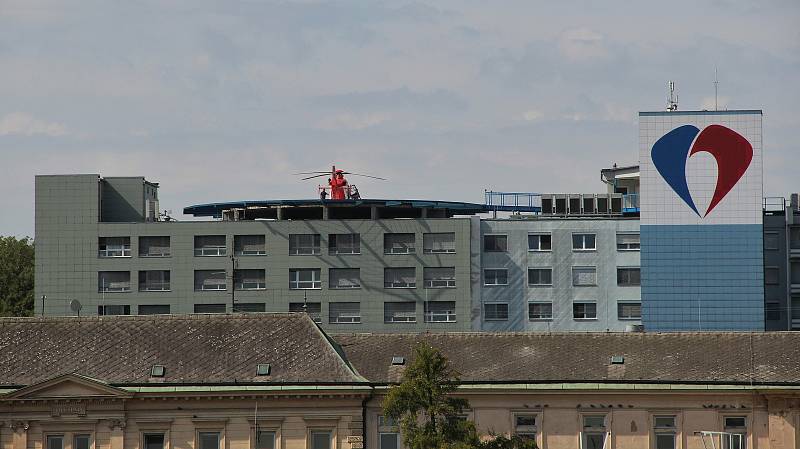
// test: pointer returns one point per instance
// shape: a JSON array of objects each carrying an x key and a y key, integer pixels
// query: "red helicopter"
[{"x": 340, "y": 189}]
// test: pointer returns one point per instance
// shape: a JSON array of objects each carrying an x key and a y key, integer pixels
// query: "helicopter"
[{"x": 340, "y": 189}]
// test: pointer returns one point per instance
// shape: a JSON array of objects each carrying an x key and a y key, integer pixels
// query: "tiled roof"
[
  {"x": 195, "y": 349},
  {"x": 721, "y": 357}
]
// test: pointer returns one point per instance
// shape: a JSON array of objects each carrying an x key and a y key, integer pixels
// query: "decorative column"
[
  {"x": 117, "y": 427},
  {"x": 19, "y": 434}
]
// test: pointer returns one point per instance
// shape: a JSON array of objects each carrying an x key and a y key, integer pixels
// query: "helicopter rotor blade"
[
  {"x": 311, "y": 172},
  {"x": 315, "y": 176},
  {"x": 368, "y": 176}
]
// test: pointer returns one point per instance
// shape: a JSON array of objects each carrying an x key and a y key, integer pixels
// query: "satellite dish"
[{"x": 75, "y": 306}]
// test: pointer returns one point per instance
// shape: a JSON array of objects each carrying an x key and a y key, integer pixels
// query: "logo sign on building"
[{"x": 701, "y": 220}]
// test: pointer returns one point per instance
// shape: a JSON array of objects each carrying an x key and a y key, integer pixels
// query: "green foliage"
[
  {"x": 429, "y": 416},
  {"x": 16, "y": 276}
]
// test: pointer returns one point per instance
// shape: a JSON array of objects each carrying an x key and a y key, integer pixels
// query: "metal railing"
[
  {"x": 630, "y": 202},
  {"x": 513, "y": 199},
  {"x": 115, "y": 252},
  {"x": 440, "y": 317},
  {"x": 154, "y": 287},
  {"x": 210, "y": 251}
]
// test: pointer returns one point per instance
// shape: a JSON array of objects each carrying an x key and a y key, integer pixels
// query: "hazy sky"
[{"x": 222, "y": 101}]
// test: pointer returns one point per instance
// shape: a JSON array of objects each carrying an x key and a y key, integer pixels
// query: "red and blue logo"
[{"x": 731, "y": 150}]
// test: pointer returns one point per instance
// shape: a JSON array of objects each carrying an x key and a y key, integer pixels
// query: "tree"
[
  {"x": 16, "y": 276},
  {"x": 429, "y": 416}
]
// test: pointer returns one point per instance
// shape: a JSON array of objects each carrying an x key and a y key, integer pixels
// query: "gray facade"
[
  {"x": 581, "y": 292},
  {"x": 782, "y": 269},
  {"x": 80, "y": 256}
]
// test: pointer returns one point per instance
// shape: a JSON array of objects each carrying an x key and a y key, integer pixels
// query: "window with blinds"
[
  {"x": 439, "y": 277},
  {"x": 540, "y": 277},
  {"x": 113, "y": 281},
  {"x": 304, "y": 279},
  {"x": 400, "y": 277},
  {"x": 399, "y": 243},
  {"x": 584, "y": 276},
  {"x": 628, "y": 277},
  {"x": 629, "y": 310},
  {"x": 205, "y": 280},
  {"x": 399, "y": 312},
  {"x": 344, "y": 313},
  {"x": 344, "y": 244},
  {"x": 439, "y": 242},
  {"x": 304, "y": 244},
  {"x": 154, "y": 246},
  {"x": 249, "y": 245},
  {"x": 154, "y": 281},
  {"x": 114, "y": 247},
  {"x": 344, "y": 278},
  {"x": 628, "y": 242},
  {"x": 210, "y": 245},
  {"x": 440, "y": 311},
  {"x": 249, "y": 279}
]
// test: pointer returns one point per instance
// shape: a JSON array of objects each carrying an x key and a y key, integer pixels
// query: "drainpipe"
[{"x": 364, "y": 416}]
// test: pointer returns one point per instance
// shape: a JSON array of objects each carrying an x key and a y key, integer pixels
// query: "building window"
[
  {"x": 628, "y": 242},
  {"x": 584, "y": 242},
  {"x": 344, "y": 278},
  {"x": 584, "y": 276},
  {"x": 584, "y": 310},
  {"x": 210, "y": 245},
  {"x": 305, "y": 279},
  {"x": 320, "y": 439},
  {"x": 388, "y": 433},
  {"x": 249, "y": 307},
  {"x": 494, "y": 243},
  {"x": 151, "y": 246},
  {"x": 207, "y": 280},
  {"x": 344, "y": 244},
  {"x": 773, "y": 311},
  {"x": 249, "y": 245},
  {"x": 153, "y": 441},
  {"x": 794, "y": 237},
  {"x": 594, "y": 432},
  {"x": 114, "y": 309},
  {"x": 439, "y": 242},
  {"x": 304, "y": 244},
  {"x": 664, "y": 429},
  {"x": 628, "y": 277},
  {"x": 154, "y": 309},
  {"x": 439, "y": 277},
  {"x": 399, "y": 312},
  {"x": 208, "y": 440},
  {"x": 770, "y": 240},
  {"x": 313, "y": 309},
  {"x": 525, "y": 426},
  {"x": 400, "y": 277},
  {"x": 495, "y": 276},
  {"x": 538, "y": 277},
  {"x": 114, "y": 247},
  {"x": 398, "y": 243},
  {"x": 540, "y": 242},
  {"x": 629, "y": 310},
  {"x": 344, "y": 313},
  {"x": 264, "y": 440},
  {"x": 154, "y": 281},
  {"x": 81, "y": 441},
  {"x": 737, "y": 427},
  {"x": 540, "y": 311},
  {"x": 55, "y": 441},
  {"x": 250, "y": 279},
  {"x": 495, "y": 311},
  {"x": 772, "y": 275},
  {"x": 440, "y": 311},
  {"x": 113, "y": 281},
  {"x": 209, "y": 308}
]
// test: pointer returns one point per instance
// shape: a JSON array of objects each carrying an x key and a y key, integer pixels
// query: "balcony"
[
  {"x": 154, "y": 287},
  {"x": 210, "y": 251},
  {"x": 440, "y": 317}
]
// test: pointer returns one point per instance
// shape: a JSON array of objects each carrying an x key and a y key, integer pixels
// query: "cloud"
[
  {"x": 532, "y": 115},
  {"x": 583, "y": 45},
  {"x": 350, "y": 121},
  {"x": 23, "y": 124}
]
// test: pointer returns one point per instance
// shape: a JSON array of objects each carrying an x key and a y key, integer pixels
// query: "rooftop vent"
[
  {"x": 617, "y": 360},
  {"x": 157, "y": 371},
  {"x": 263, "y": 369},
  {"x": 398, "y": 360}
]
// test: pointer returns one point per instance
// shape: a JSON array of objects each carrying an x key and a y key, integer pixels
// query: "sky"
[{"x": 222, "y": 101}]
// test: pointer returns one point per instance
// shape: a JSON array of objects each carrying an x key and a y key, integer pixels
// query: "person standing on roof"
[{"x": 338, "y": 185}]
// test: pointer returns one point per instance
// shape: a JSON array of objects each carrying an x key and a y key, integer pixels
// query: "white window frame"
[
  {"x": 211, "y": 250},
  {"x": 579, "y": 267},
  {"x": 114, "y": 251},
  {"x": 629, "y": 301},
  {"x": 246, "y": 253},
  {"x": 584, "y": 301},
  {"x": 525, "y": 431},
  {"x": 409, "y": 250},
  {"x": 406, "y": 285},
  {"x": 495, "y": 284},
  {"x": 344, "y": 318},
  {"x": 586, "y": 430},
  {"x": 439, "y": 317},
  {"x": 298, "y": 250},
  {"x": 388, "y": 427},
  {"x": 438, "y": 283},
  {"x": 539, "y": 249},
  {"x": 212, "y": 287},
  {"x": 626, "y": 248},
  {"x": 404, "y": 317},
  {"x": 296, "y": 284},
  {"x": 251, "y": 285},
  {"x": 530, "y": 303},
  {"x": 336, "y": 250},
  {"x": 155, "y": 286},
  {"x": 496, "y": 303},
  {"x": 665, "y": 430},
  {"x": 629, "y": 284},
  {"x": 113, "y": 287},
  {"x": 743, "y": 431},
  {"x": 583, "y": 247},
  {"x": 331, "y": 278},
  {"x": 426, "y": 250},
  {"x": 528, "y": 275}
]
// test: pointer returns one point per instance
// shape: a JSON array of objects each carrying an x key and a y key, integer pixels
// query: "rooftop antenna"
[
  {"x": 716, "y": 89},
  {"x": 672, "y": 102}
]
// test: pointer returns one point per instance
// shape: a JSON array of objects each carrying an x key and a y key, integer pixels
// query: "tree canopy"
[
  {"x": 430, "y": 416},
  {"x": 16, "y": 276}
]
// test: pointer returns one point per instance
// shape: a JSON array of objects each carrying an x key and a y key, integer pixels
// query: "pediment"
[{"x": 72, "y": 386}]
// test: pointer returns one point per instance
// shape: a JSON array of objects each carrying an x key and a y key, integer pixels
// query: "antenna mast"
[
  {"x": 672, "y": 102},
  {"x": 716, "y": 89}
]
